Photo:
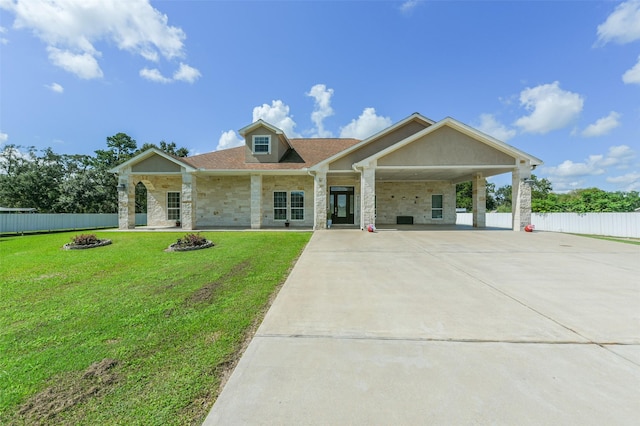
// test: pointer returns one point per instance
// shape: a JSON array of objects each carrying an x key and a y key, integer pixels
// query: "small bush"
[
  {"x": 191, "y": 240},
  {"x": 85, "y": 240}
]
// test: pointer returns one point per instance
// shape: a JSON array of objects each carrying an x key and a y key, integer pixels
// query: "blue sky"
[{"x": 559, "y": 80}]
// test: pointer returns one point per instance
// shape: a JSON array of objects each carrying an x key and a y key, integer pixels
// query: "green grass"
[
  {"x": 634, "y": 241},
  {"x": 172, "y": 322}
]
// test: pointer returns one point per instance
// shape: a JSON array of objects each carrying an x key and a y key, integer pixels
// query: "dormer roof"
[{"x": 261, "y": 123}]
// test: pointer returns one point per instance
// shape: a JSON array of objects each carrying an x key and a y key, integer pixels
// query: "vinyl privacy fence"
[
  {"x": 34, "y": 222},
  {"x": 610, "y": 224}
]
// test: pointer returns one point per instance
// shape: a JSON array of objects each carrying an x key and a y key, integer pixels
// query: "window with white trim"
[
  {"x": 297, "y": 205},
  {"x": 280, "y": 205},
  {"x": 173, "y": 206},
  {"x": 436, "y": 207},
  {"x": 262, "y": 144}
]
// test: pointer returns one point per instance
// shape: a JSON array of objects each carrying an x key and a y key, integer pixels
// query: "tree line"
[
  {"x": 544, "y": 200},
  {"x": 70, "y": 183}
]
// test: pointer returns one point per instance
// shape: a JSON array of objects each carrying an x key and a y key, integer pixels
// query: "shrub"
[
  {"x": 191, "y": 240},
  {"x": 85, "y": 240}
]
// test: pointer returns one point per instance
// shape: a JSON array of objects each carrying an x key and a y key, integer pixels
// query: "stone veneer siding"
[
  {"x": 223, "y": 201},
  {"x": 157, "y": 197},
  {"x": 414, "y": 199},
  {"x": 287, "y": 183}
]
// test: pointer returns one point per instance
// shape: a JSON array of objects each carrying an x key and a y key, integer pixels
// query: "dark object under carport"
[{"x": 404, "y": 220}]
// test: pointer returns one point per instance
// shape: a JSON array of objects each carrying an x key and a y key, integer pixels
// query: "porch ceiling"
[{"x": 446, "y": 173}]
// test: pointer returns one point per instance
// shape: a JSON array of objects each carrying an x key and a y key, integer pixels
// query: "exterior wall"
[
  {"x": 223, "y": 201},
  {"x": 414, "y": 199},
  {"x": 378, "y": 145},
  {"x": 346, "y": 180},
  {"x": 287, "y": 183},
  {"x": 446, "y": 146},
  {"x": 157, "y": 188}
]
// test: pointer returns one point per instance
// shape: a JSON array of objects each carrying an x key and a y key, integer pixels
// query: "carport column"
[
  {"x": 479, "y": 189},
  {"x": 256, "y": 201},
  {"x": 187, "y": 201},
  {"x": 126, "y": 202},
  {"x": 368, "y": 196},
  {"x": 320, "y": 199},
  {"x": 521, "y": 196}
]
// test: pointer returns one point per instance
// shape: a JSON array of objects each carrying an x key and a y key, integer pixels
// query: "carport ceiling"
[{"x": 448, "y": 173}]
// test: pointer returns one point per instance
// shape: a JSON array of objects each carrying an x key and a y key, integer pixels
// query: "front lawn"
[{"x": 129, "y": 333}]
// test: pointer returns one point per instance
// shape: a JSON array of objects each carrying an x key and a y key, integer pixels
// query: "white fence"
[
  {"x": 611, "y": 224},
  {"x": 34, "y": 222}
]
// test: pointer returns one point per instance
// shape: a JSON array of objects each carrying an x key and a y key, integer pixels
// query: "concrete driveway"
[{"x": 446, "y": 326}]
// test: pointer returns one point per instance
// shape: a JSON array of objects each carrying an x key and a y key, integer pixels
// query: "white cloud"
[
  {"x": 229, "y": 140},
  {"x": 70, "y": 28},
  {"x": 276, "y": 114},
  {"x": 551, "y": 108},
  {"x": 491, "y": 126},
  {"x": 367, "y": 124},
  {"x": 3, "y": 30},
  {"x": 83, "y": 65},
  {"x": 630, "y": 181},
  {"x": 632, "y": 76},
  {"x": 154, "y": 75},
  {"x": 322, "y": 109},
  {"x": 569, "y": 175},
  {"x": 55, "y": 87},
  {"x": 623, "y": 25},
  {"x": 602, "y": 126},
  {"x": 3, "y": 137},
  {"x": 186, "y": 73},
  {"x": 408, "y": 6}
]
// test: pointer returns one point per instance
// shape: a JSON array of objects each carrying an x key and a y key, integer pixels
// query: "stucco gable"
[
  {"x": 154, "y": 160},
  {"x": 436, "y": 138},
  {"x": 446, "y": 146},
  {"x": 155, "y": 164}
]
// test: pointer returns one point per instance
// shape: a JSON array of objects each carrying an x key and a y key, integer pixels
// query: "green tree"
[
  {"x": 169, "y": 148},
  {"x": 464, "y": 195}
]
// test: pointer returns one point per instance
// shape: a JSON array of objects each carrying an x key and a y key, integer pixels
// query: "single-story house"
[{"x": 406, "y": 173}]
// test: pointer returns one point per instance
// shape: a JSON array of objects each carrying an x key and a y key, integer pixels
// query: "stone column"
[
  {"x": 256, "y": 201},
  {"x": 187, "y": 201},
  {"x": 320, "y": 200},
  {"x": 126, "y": 202},
  {"x": 367, "y": 196},
  {"x": 521, "y": 196},
  {"x": 479, "y": 199}
]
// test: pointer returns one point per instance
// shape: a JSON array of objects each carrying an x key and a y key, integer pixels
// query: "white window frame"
[
  {"x": 268, "y": 138},
  {"x": 437, "y": 209},
  {"x": 173, "y": 209},
  {"x": 285, "y": 208},
  {"x": 296, "y": 208}
]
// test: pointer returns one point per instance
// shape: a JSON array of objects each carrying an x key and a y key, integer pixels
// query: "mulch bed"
[
  {"x": 72, "y": 246},
  {"x": 176, "y": 247}
]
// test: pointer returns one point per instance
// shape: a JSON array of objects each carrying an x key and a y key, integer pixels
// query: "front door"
[{"x": 341, "y": 204}]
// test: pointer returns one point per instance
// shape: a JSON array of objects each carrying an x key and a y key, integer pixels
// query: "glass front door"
[{"x": 341, "y": 204}]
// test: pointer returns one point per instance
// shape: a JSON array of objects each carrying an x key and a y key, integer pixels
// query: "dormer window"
[{"x": 262, "y": 144}]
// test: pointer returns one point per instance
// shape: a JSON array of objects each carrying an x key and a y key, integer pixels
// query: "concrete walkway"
[{"x": 446, "y": 327}]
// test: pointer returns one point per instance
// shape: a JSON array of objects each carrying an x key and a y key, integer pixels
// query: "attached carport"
[{"x": 452, "y": 152}]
